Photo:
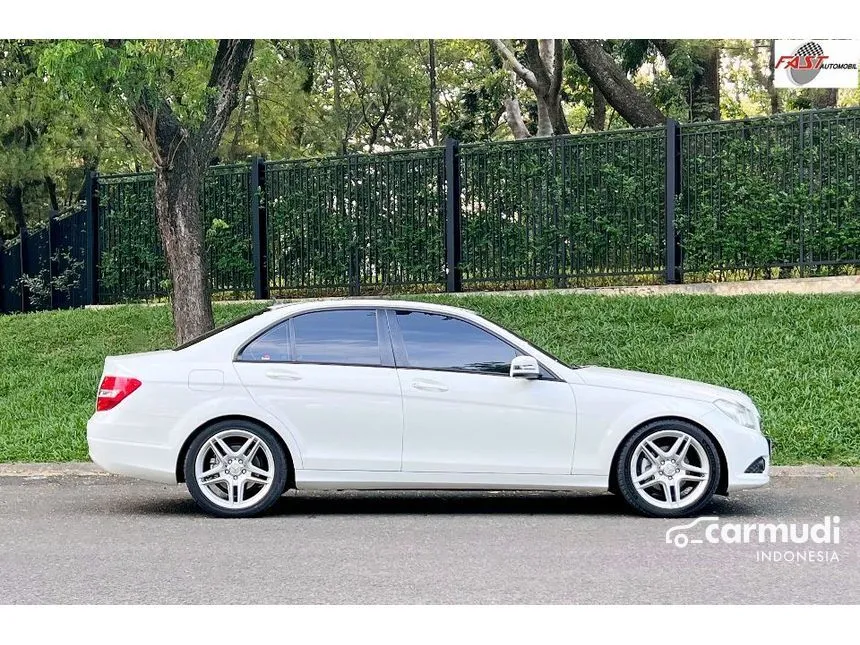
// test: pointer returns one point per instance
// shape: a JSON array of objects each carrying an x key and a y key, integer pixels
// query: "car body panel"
[{"x": 474, "y": 423}]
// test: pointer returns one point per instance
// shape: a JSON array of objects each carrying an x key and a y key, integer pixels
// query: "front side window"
[
  {"x": 440, "y": 342},
  {"x": 345, "y": 337}
]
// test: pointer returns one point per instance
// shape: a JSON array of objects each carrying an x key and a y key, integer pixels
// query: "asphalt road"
[{"x": 100, "y": 539}]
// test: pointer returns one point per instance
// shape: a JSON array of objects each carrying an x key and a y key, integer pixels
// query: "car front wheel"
[
  {"x": 668, "y": 469},
  {"x": 235, "y": 469}
]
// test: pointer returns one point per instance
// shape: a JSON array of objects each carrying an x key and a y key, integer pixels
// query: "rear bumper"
[{"x": 120, "y": 456}]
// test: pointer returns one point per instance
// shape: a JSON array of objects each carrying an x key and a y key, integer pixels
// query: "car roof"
[{"x": 351, "y": 303}]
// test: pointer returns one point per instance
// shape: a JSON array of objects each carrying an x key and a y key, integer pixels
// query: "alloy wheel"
[
  {"x": 234, "y": 469},
  {"x": 670, "y": 469}
]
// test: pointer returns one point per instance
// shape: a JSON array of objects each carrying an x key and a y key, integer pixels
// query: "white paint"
[{"x": 382, "y": 427}]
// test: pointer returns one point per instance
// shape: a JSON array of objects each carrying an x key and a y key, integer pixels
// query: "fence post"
[
  {"x": 808, "y": 177},
  {"x": 673, "y": 172},
  {"x": 259, "y": 228},
  {"x": 3, "y": 285},
  {"x": 453, "y": 238},
  {"x": 53, "y": 268},
  {"x": 354, "y": 214},
  {"x": 91, "y": 192},
  {"x": 24, "y": 260}
]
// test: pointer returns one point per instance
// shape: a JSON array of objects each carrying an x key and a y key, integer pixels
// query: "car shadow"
[{"x": 311, "y": 504}]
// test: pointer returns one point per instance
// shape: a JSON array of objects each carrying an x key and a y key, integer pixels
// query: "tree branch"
[
  {"x": 229, "y": 65},
  {"x": 519, "y": 69}
]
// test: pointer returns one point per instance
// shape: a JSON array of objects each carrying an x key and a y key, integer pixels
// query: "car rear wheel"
[
  {"x": 668, "y": 469},
  {"x": 235, "y": 469}
]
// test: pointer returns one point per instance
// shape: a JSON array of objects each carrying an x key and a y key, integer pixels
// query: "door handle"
[
  {"x": 283, "y": 375},
  {"x": 429, "y": 386}
]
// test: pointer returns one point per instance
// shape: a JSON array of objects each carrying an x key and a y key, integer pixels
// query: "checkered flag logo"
[{"x": 804, "y": 76}]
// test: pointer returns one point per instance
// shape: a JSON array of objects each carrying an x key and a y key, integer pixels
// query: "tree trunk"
[
  {"x": 544, "y": 77},
  {"x": 703, "y": 99},
  {"x": 824, "y": 97},
  {"x": 636, "y": 108},
  {"x": 181, "y": 156},
  {"x": 513, "y": 113},
  {"x": 598, "y": 110},
  {"x": 14, "y": 198},
  {"x": 706, "y": 86},
  {"x": 434, "y": 96},
  {"x": 180, "y": 224}
]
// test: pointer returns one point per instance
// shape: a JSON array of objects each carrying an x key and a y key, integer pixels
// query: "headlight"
[{"x": 740, "y": 414}]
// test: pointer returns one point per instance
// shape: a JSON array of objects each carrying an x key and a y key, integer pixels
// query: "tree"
[
  {"x": 543, "y": 74},
  {"x": 619, "y": 91},
  {"x": 181, "y": 113},
  {"x": 696, "y": 64}
]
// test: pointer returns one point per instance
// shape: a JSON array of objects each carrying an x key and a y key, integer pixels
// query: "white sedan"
[{"x": 381, "y": 394}]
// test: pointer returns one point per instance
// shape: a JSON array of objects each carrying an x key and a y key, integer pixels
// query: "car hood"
[{"x": 657, "y": 384}]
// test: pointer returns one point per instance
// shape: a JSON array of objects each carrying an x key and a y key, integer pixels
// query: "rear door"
[{"x": 329, "y": 376}]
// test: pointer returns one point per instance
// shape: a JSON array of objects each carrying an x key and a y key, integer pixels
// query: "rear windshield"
[{"x": 218, "y": 330}]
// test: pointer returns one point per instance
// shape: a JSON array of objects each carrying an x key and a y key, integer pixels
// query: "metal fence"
[
  {"x": 775, "y": 194},
  {"x": 45, "y": 268},
  {"x": 757, "y": 198}
]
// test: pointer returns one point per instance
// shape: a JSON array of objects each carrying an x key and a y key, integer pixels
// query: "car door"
[
  {"x": 329, "y": 376},
  {"x": 464, "y": 413}
]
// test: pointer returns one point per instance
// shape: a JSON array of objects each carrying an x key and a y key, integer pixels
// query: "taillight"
[{"x": 114, "y": 389}]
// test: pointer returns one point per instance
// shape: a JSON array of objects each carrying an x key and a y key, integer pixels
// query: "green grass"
[{"x": 797, "y": 356}]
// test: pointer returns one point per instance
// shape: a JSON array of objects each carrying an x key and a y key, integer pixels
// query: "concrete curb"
[
  {"x": 831, "y": 284},
  {"x": 89, "y": 469}
]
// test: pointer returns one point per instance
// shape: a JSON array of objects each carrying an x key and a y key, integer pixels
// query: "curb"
[{"x": 89, "y": 469}]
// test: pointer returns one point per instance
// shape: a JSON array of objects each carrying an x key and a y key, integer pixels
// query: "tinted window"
[
  {"x": 273, "y": 345},
  {"x": 346, "y": 336},
  {"x": 436, "y": 341}
]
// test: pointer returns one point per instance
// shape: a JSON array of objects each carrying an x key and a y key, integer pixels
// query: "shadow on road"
[{"x": 307, "y": 504}]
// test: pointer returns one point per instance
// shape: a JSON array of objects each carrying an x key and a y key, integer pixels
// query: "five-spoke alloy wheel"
[
  {"x": 668, "y": 469},
  {"x": 235, "y": 469}
]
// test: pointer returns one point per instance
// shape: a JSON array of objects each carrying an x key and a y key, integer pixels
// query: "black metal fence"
[
  {"x": 46, "y": 268},
  {"x": 756, "y": 198}
]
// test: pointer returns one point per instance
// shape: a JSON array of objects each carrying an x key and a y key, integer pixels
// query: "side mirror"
[{"x": 525, "y": 367}]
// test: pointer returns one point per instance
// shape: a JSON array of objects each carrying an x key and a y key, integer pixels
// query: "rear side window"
[
  {"x": 339, "y": 337},
  {"x": 345, "y": 337},
  {"x": 271, "y": 345},
  {"x": 439, "y": 342}
]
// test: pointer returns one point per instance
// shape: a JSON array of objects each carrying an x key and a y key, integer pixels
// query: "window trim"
[
  {"x": 400, "y": 354},
  {"x": 386, "y": 358}
]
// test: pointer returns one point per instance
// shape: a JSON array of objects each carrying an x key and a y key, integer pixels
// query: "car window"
[
  {"x": 271, "y": 345},
  {"x": 437, "y": 341},
  {"x": 345, "y": 337}
]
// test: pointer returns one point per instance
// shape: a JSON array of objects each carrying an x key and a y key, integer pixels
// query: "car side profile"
[{"x": 382, "y": 394}]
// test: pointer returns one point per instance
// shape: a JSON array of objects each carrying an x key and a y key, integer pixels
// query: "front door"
[
  {"x": 329, "y": 376},
  {"x": 463, "y": 413}
]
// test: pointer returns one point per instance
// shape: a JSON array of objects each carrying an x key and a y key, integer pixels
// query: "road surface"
[{"x": 104, "y": 539}]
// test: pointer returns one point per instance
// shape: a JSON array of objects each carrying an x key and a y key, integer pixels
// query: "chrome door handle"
[
  {"x": 283, "y": 375},
  {"x": 429, "y": 386}
]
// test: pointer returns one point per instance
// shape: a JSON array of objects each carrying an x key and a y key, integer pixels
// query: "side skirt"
[{"x": 370, "y": 480}]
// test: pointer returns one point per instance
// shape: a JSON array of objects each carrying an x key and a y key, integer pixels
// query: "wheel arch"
[
  {"x": 722, "y": 486},
  {"x": 183, "y": 452}
]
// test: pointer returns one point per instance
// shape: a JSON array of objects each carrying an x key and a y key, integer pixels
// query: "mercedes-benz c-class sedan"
[{"x": 381, "y": 394}]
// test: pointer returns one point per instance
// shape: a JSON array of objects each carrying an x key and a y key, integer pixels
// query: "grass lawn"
[{"x": 797, "y": 356}]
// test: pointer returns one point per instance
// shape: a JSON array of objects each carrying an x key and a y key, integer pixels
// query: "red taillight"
[{"x": 114, "y": 389}]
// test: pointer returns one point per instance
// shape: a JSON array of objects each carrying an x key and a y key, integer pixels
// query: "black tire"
[
  {"x": 279, "y": 463},
  {"x": 624, "y": 476}
]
